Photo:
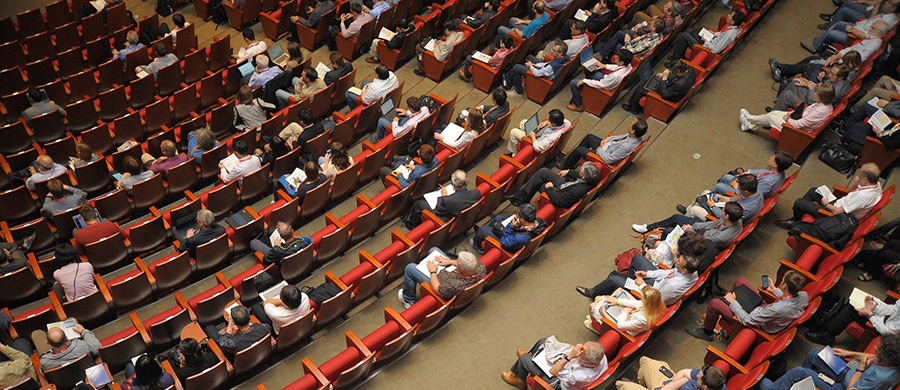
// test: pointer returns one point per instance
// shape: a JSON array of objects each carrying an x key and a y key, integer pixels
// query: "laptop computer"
[
  {"x": 587, "y": 59},
  {"x": 277, "y": 54},
  {"x": 387, "y": 107},
  {"x": 747, "y": 298},
  {"x": 246, "y": 69},
  {"x": 645, "y": 72},
  {"x": 183, "y": 224},
  {"x": 532, "y": 124}
]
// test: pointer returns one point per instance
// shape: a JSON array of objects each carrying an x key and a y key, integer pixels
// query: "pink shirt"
[
  {"x": 76, "y": 279},
  {"x": 813, "y": 117}
]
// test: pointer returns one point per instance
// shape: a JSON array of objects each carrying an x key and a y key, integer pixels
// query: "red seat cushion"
[
  {"x": 306, "y": 382},
  {"x": 340, "y": 362},
  {"x": 376, "y": 340},
  {"x": 32, "y": 312},
  {"x": 204, "y": 295},
  {"x": 353, "y": 276},
  {"x": 267, "y": 211},
  {"x": 165, "y": 315},
  {"x": 417, "y": 312},
  {"x": 116, "y": 337}
]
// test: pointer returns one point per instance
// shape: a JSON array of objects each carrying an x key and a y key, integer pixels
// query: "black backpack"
[
  {"x": 835, "y": 230},
  {"x": 163, "y": 7},
  {"x": 428, "y": 101}
]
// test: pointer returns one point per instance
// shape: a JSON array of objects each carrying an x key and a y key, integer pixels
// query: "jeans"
[
  {"x": 811, "y": 367},
  {"x": 487, "y": 230},
  {"x": 413, "y": 278},
  {"x": 850, "y": 12},
  {"x": 383, "y": 124},
  {"x": 503, "y": 30},
  {"x": 517, "y": 73},
  {"x": 835, "y": 33},
  {"x": 674, "y": 220},
  {"x": 351, "y": 97},
  {"x": 576, "y": 90},
  {"x": 723, "y": 187},
  {"x": 129, "y": 370},
  {"x": 282, "y": 95}
]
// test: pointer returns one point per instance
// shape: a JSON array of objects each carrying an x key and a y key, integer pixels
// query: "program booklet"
[
  {"x": 230, "y": 162},
  {"x": 423, "y": 265},
  {"x": 880, "y": 120},
  {"x": 321, "y": 69},
  {"x": 402, "y": 170},
  {"x": 858, "y": 298},
  {"x": 616, "y": 312},
  {"x": 67, "y": 326},
  {"x": 581, "y": 15},
  {"x": 386, "y": 34},
  {"x": 432, "y": 197},
  {"x": 296, "y": 177},
  {"x": 452, "y": 131},
  {"x": 481, "y": 56},
  {"x": 826, "y": 193},
  {"x": 706, "y": 34},
  {"x": 97, "y": 375},
  {"x": 430, "y": 45}
]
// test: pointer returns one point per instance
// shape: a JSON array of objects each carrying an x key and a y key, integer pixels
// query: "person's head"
[
  {"x": 245, "y": 95},
  {"x": 780, "y": 161},
  {"x": 285, "y": 231},
  {"x": 590, "y": 173},
  {"x": 578, "y": 28},
  {"x": 311, "y": 169},
  {"x": 747, "y": 184},
  {"x": 205, "y": 219},
  {"x": 593, "y": 352},
  {"x": 339, "y": 156},
  {"x": 838, "y": 72},
  {"x": 65, "y": 253},
  {"x": 205, "y": 138},
  {"x": 527, "y": 213},
  {"x": 160, "y": 49},
  {"x": 691, "y": 243},
  {"x": 240, "y": 148},
  {"x": 305, "y": 116},
  {"x": 878, "y": 29},
  {"x": 248, "y": 35},
  {"x": 711, "y": 378},
  {"x": 499, "y": 95},
  {"x": 310, "y": 75},
  {"x": 475, "y": 120},
  {"x": 624, "y": 57},
  {"x": 888, "y": 350},
  {"x": 638, "y": 127},
  {"x": 825, "y": 94},
  {"x": 493, "y": 5},
  {"x": 687, "y": 263},
  {"x": 56, "y": 338},
  {"x": 83, "y": 151},
  {"x": 240, "y": 315},
  {"x": 35, "y": 94},
  {"x": 402, "y": 24},
  {"x": 736, "y": 17},
  {"x": 426, "y": 154},
  {"x": 178, "y": 19},
  {"x": 191, "y": 351},
  {"x": 55, "y": 187},
  {"x": 44, "y": 162},
  {"x": 671, "y": 8},
  {"x": 793, "y": 282},
  {"x": 679, "y": 68},
  {"x": 605, "y": 4},
  {"x": 382, "y": 72},
  {"x": 556, "y": 117},
  {"x": 652, "y": 303},
  {"x": 132, "y": 38},
  {"x": 506, "y": 42},
  {"x": 733, "y": 211},
  {"x": 658, "y": 26},
  {"x": 868, "y": 174},
  {"x": 290, "y": 296},
  {"x": 355, "y": 8},
  {"x": 88, "y": 213},
  {"x": 337, "y": 61},
  {"x": 294, "y": 51},
  {"x": 559, "y": 49},
  {"x": 458, "y": 179},
  {"x": 450, "y": 27},
  {"x": 852, "y": 60},
  {"x": 538, "y": 7},
  {"x": 167, "y": 148},
  {"x": 468, "y": 263},
  {"x": 262, "y": 62},
  {"x": 277, "y": 146},
  {"x": 131, "y": 165},
  {"x": 413, "y": 102},
  {"x": 147, "y": 373}
]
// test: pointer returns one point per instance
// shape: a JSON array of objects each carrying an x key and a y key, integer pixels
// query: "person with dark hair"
[
  {"x": 576, "y": 42},
  {"x": 163, "y": 59},
  {"x": 883, "y": 317},
  {"x": 290, "y": 305},
  {"x": 511, "y": 231},
  {"x": 487, "y": 11},
  {"x": 40, "y": 105},
  {"x": 498, "y": 109},
  {"x": 601, "y": 15},
  {"x": 800, "y": 90},
  {"x": 240, "y": 333},
  {"x": 305, "y": 86},
  {"x": 314, "y": 178},
  {"x": 404, "y": 120},
  {"x": 349, "y": 25},
  {"x": 372, "y": 90},
  {"x": 671, "y": 84},
  {"x": 247, "y": 163},
  {"x": 250, "y": 112},
  {"x": 199, "y": 142},
  {"x": 335, "y": 160},
  {"x": 864, "y": 372},
  {"x": 546, "y": 134},
  {"x": 95, "y": 230},
  {"x": 134, "y": 173},
  {"x": 295, "y": 56},
  {"x": 180, "y": 24},
  {"x": 772, "y": 317},
  {"x": 169, "y": 159},
  {"x": 298, "y": 133},
  {"x": 719, "y": 41},
  {"x": 812, "y": 117},
  {"x": 768, "y": 180},
  {"x": 564, "y": 189},
  {"x": 749, "y": 197},
  {"x": 865, "y": 193},
  {"x": 253, "y": 48},
  {"x": 651, "y": 376},
  {"x": 271, "y": 151},
  {"x": 403, "y": 28},
  {"x": 428, "y": 163},
  {"x": 313, "y": 15},
  {"x": 190, "y": 358},
  {"x": 611, "y": 149},
  {"x": 856, "y": 129},
  {"x": 512, "y": 79},
  {"x": 505, "y": 45},
  {"x": 75, "y": 277},
  {"x": 207, "y": 230},
  {"x": 339, "y": 68},
  {"x": 442, "y": 47},
  {"x": 147, "y": 374},
  {"x": 285, "y": 244},
  {"x": 524, "y": 28},
  {"x": 62, "y": 350},
  {"x": 618, "y": 70},
  {"x": 61, "y": 197}
]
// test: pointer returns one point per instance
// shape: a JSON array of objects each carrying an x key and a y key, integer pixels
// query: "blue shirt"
[
  {"x": 417, "y": 172},
  {"x": 875, "y": 377},
  {"x": 769, "y": 182},
  {"x": 535, "y": 24},
  {"x": 258, "y": 79},
  {"x": 378, "y": 8},
  {"x": 197, "y": 154},
  {"x": 692, "y": 384},
  {"x": 128, "y": 49}
]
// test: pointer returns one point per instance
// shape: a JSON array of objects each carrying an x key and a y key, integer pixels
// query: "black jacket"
[
  {"x": 303, "y": 188},
  {"x": 479, "y": 19},
  {"x": 397, "y": 41},
  {"x": 280, "y": 251},
  {"x": 596, "y": 23},
  {"x": 201, "y": 237},
  {"x": 492, "y": 113},
  {"x": 449, "y": 207},
  {"x": 676, "y": 87},
  {"x": 567, "y": 197},
  {"x": 308, "y": 134},
  {"x": 336, "y": 73}
]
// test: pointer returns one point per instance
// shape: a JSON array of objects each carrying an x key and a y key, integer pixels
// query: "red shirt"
[{"x": 94, "y": 233}]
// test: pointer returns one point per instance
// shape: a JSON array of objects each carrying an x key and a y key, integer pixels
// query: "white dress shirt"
[
  {"x": 671, "y": 283},
  {"x": 247, "y": 165},
  {"x": 859, "y": 201}
]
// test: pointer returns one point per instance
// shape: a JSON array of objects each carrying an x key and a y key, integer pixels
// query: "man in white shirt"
[
  {"x": 672, "y": 283},
  {"x": 385, "y": 81},
  {"x": 865, "y": 193},
  {"x": 290, "y": 305},
  {"x": 716, "y": 44},
  {"x": 180, "y": 24},
  {"x": 574, "y": 45},
  {"x": 405, "y": 120},
  {"x": 546, "y": 133},
  {"x": 597, "y": 79},
  {"x": 581, "y": 365},
  {"x": 252, "y": 49},
  {"x": 247, "y": 163}
]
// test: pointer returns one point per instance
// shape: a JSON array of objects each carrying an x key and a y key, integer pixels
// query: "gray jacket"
[
  {"x": 41, "y": 108},
  {"x": 617, "y": 148},
  {"x": 717, "y": 233},
  {"x": 313, "y": 18},
  {"x": 74, "y": 198},
  {"x": 87, "y": 344},
  {"x": 774, "y": 317}
]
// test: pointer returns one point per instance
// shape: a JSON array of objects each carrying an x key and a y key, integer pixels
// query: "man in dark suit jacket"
[
  {"x": 339, "y": 68},
  {"x": 448, "y": 206},
  {"x": 671, "y": 84},
  {"x": 298, "y": 134},
  {"x": 563, "y": 189},
  {"x": 404, "y": 27},
  {"x": 206, "y": 231},
  {"x": 487, "y": 12}
]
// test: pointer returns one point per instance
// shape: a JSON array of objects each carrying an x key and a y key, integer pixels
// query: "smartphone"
[
  {"x": 665, "y": 371},
  {"x": 765, "y": 281},
  {"x": 714, "y": 197},
  {"x": 328, "y": 152}
]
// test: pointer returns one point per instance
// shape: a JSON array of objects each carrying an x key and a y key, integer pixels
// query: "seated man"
[
  {"x": 63, "y": 350},
  {"x": 865, "y": 193},
  {"x": 132, "y": 43},
  {"x": 671, "y": 84},
  {"x": 857, "y": 128},
  {"x": 18, "y": 367},
  {"x": 43, "y": 169},
  {"x": 512, "y": 235},
  {"x": 240, "y": 333},
  {"x": 40, "y": 105},
  {"x": 416, "y": 170},
  {"x": 718, "y": 234},
  {"x": 402, "y": 30},
  {"x": 883, "y": 316},
  {"x": 349, "y": 25},
  {"x": 285, "y": 245},
  {"x": 855, "y": 10},
  {"x": 524, "y": 28},
  {"x": 650, "y": 376},
  {"x": 800, "y": 90},
  {"x": 620, "y": 68},
  {"x": 297, "y": 134},
  {"x": 543, "y": 137},
  {"x": 601, "y": 15},
  {"x": 263, "y": 72},
  {"x": 581, "y": 365},
  {"x": 505, "y": 45},
  {"x": 866, "y": 48},
  {"x": 170, "y": 158},
  {"x": 839, "y": 32},
  {"x": 207, "y": 230},
  {"x": 750, "y": 199},
  {"x": 447, "y": 206},
  {"x": 442, "y": 47},
  {"x": 163, "y": 59},
  {"x": 671, "y": 14},
  {"x": 538, "y": 67},
  {"x": 61, "y": 197},
  {"x": 447, "y": 283},
  {"x": 768, "y": 180},
  {"x": 253, "y": 48},
  {"x": 479, "y": 18},
  {"x": 564, "y": 189},
  {"x": 95, "y": 230},
  {"x": 247, "y": 163},
  {"x": 12, "y": 258},
  {"x": 611, "y": 149},
  {"x": 385, "y": 81},
  {"x": 290, "y": 305},
  {"x": 404, "y": 120},
  {"x": 772, "y": 318},
  {"x": 812, "y": 117},
  {"x": 577, "y": 41},
  {"x": 313, "y": 15},
  {"x": 305, "y": 86},
  {"x": 339, "y": 68},
  {"x": 865, "y": 372},
  {"x": 719, "y": 41},
  {"x": 637, "y": 42}
]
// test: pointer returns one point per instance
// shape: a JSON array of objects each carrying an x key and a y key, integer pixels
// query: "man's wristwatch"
[{"x": 434, "y": 272}]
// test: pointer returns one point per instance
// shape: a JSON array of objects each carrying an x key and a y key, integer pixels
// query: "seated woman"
[
  {"x": 271, "y": 151},
  {"x": 84, "y": 154},
  {"x": 474, "y": 126},
  {"x": 134, "y": 173},
  {"x": 637, "y": 315},
  {"x": 314, "y": 178},
  {"x": 413, "y": 170},
  {"x": 190, "y": 358},
  {"x": 812, "y": 118},
  {"x": 147, "y": 374},
  {"x": 250, "y": 113},
  {"x": 335, "y": 160}
]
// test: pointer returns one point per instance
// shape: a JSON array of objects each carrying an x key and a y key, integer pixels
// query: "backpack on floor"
[{"x": 163, "y": 8}]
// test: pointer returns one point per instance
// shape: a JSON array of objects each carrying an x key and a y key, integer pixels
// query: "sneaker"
[
  {"x": 699, "y": 333},
  {"x": 587, "y": 324},
  {"x": 810, "y": 48},
  {"x": 745, "y": 122},
  {"x": 640, "y": 228},
  {"x": 681, "y": 209},
  {"x": 775, "y": 68},
  {"x": 720, "y": 335},
  {"x": 403, "y": 301}
]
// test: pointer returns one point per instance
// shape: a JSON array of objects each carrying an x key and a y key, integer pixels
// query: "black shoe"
[
  {"x": 671, "y": 64},
  {"x": 784, "y": 223},
  {"x": 809, "y": 48},
  {"x": 699, "y": 333},
  {"x": 768, "y": 109},
  {"x": 819, "y": 337},
  {"x": 681, "y": 209},
  {"x": 825, "y": 17},
  {"x": 775, "y": 67},
  {"x": 583, "y": 291},
  {"x": 419, "y": 72},
  {"x": 837, "y": 3},
  {"x": 822, "y": 26},
  {"x": 514, "y": 200},
  {"x": 629, "y": 108}
]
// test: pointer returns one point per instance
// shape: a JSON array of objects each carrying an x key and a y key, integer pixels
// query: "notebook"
[
  {"x": 747, "y": 298},
  {"x": 273, "y": 292},
  {"x": 98, "y": 375},
  {"x": 277, "y": 54},
  {"x": 587, "y": 59},
  {"x": 452, "y": 131},
  {"x": 532, "y": 124},
  {"x": 806, "y": 384},
  {"x": 68, "y": 326},
  {"x": 246, "y": 69},
  {"x": 387, "y": 107},
  {"x": 386, "y": 34},
  {"x": 432, "y": 197},
  {"x": 239, "y": 219},
  {"x": 423, "y": 265}
]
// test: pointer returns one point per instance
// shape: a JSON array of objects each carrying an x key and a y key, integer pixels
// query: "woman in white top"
[
  {"x": 638, "y": 314},
  {"x": 335, "y": 160},
  {"x": 474, "y": 125}
]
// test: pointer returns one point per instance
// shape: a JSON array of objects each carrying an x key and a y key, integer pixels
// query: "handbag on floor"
[{"x": 837, "y": 157}]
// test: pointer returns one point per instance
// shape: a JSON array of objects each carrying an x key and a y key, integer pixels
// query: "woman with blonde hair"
[{"x": 637, "y": 315}]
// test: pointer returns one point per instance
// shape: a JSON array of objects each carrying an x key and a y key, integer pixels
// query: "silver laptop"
[
  {"x": 587, "y": 58},
  {"x": 277, "y": 54},
  {"x": 532, "y": 123},
  {"x": 387, "y": 107}
]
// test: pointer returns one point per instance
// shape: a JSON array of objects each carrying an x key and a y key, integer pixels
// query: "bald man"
[
  {"x": 42, "y": 170},
  {"x": 63, "y": 350},
  {"x": 865, "y": 193}
]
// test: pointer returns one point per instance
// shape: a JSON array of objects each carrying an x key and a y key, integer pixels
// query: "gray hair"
[
  {"x": 593, "y": 352},
  {"x": 467, "y": 262},
  {"x": 881, "y": 26},
  {"x": 591, "y": 173},
  {"x": 285, "y": 230},
  {"x": 132, "y": 37},
  {"x": 459, "y": 179},
  {"x": 262, "y": 61},
  {"x": 205, "y": 218}
]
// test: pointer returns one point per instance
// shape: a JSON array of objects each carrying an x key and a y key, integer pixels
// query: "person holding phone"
[
  {"x": 656, "y": 374},
  {"x": 512, "y": 235}
]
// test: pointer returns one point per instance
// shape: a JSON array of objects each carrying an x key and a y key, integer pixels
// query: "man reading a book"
[
  {"x": 885, "y": 318},
  {"x": 865, "y": 193},
  {"x": 448, "y": 204},
  {"x": 62, "y": 350},
  {"x": 772, "y": 318},
  {"x": 572, "y": 367},
  {"x": 447, "y": 277}
]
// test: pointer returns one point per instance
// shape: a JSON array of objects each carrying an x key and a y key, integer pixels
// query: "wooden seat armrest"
[
  {"x": 698, "y": 46},
  {"x": 392, "y": 180},
  {"x": 221, "y": 100},
  {"x": 442, "y": 146},
  {"x": 892, "y": 296},
  {"x": 713, "y": 354},
  {"x": 766, "y": 295},
  {"x": 366, "y": 145},
  {"x": 332, "y": 220},
  {"x": 221, "y": 355},
  {"x": 825, "y": 213},
  {"x": 428, "y": 215},
  {"x": 103, "y": 288},
  {"x": 331, "y": 277},
  {"x": 136, "y": 322},
  {"x": 607, "y": 323},
  {"x": 527, "y": 140},
  {"x": 396, "y": 235},
  {"x": 810, "y": 240},
  {"x": 492, "y": 243},
  {"x": 482, "y": 178},
  {"x": 391, "y": 315},
  {"x": 32, "y": 262},
  {"x": 190, "y": 195},
  {"x": 840, "y": 191},
  {"x": 12, "y": 332},
  {"x": 362, "y": 200},
  {"x": 252, "y": 212},
  {"x": 167, "y": 367},
  {"x": 354, "y": 341},
  {"x": 36, "y": 362},
  {"x": 227, "y": 284},
  {"x": 179, "y": 298},
  {"x": 505, "y": 160},
  {"x": 365, "y": 256},
  {"x": 787, "y": 264},
  {"x": 283, "y": 195},
  {"x": 259, "y": 256},
  {"x": 7, "y": 234},
  {"x": 57, "y": 305},
  {"x": 426, "y": 289},
  {"x": 310, "y": 368}
]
